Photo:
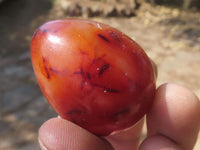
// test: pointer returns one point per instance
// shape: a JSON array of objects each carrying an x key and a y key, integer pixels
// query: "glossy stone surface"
[{"x": 92, "y": 74}]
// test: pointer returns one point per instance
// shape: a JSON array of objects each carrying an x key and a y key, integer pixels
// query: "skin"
[{"x": 172, "y": 124}]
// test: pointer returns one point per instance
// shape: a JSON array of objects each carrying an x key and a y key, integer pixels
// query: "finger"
[
  {"x": 59, "y": 134},
  {"x": 175, "y": 114},
  {"x": 158, "y": 142},
  {"x": 127, "y": 139}
]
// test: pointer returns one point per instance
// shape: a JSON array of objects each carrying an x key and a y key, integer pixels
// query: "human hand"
[{"x": 173, "y": 123}]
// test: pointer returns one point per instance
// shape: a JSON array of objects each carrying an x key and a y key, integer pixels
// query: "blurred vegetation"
[{"x": 185, "y": 4}]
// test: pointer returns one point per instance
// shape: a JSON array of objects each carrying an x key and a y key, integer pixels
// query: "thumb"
[{"x": 61, "y": 134}]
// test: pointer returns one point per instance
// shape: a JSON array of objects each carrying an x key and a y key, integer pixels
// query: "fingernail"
[{"x": 42, "y": 145}]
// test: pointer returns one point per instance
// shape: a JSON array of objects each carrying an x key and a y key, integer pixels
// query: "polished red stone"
[{"x": 92, "y": 74}]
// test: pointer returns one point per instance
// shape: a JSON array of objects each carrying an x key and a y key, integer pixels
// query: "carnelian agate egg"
[{"x": 92, "y": 74}]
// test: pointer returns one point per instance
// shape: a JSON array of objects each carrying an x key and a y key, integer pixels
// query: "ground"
[{"x": 169, "y": 36}]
